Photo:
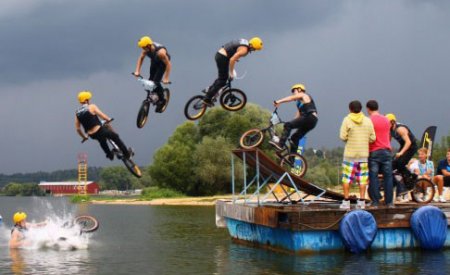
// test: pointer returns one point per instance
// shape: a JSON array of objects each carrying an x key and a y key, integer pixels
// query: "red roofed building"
[{"x": 68, "y": 187}]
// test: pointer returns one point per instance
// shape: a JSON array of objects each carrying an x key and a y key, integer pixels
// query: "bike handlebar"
[{"x": 141, "y": 77}]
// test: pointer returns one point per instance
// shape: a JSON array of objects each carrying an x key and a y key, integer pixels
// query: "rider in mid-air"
[
  {"x": 88, "y": 115},
  {"x": 305, "y": 120},
  {"x": 160, "y": 66},
  {"x": 226, "y": 58}
]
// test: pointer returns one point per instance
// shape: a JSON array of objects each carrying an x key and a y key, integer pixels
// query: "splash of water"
[{"x": 59, "y": 232}]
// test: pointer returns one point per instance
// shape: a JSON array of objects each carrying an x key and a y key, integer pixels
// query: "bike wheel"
[
  {"x": 294, "y": 163},
  {"x": 195, "y": 108},
  {"x": 423, "y": 191},
  {"x": 143, "y": 114},
  {"x": 251, "y": 139},
  {"x": 233, "y": 100},
  {"x": 87, "y": 223},
  {"x": 132, "y": 167},
  {"x": 167, "y": 98}
]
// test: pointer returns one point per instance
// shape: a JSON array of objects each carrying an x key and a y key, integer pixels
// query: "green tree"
[
  {"x": 173, "y": 164},
  {"x": 213, "y": 159},
  {"x": 116, "y": 178},
  {"x": 231, "y": 125},
  {"x": 22, "y": 189}
]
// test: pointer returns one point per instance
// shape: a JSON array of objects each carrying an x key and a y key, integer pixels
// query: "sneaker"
[
  {"x": 399, "y": 198},
  {"x": 345, "y": 204},
  {"x": 390, "y": 205},
  {"x": 130, "y": 153},
  {"x": 208, "y": 102},
  {"x": 442, "y": 199},
  {"x": 110, "y": 155},
  {"x": 361, "y": 204},
  {"x": 160, "y": 105},
  {"x": 277, "y": 145}
]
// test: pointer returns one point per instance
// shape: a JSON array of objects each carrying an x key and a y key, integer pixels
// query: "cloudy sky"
[{"x": 394, "y": 51}]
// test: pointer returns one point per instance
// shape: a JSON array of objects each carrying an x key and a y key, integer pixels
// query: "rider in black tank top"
[
  {"x": 305, "y": 120},
  {"x": 160, "y": 66},
  {"x": 226, "y": 58}
]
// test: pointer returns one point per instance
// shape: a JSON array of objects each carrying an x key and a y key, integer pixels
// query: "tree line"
[{"x": 196, "y": 159}]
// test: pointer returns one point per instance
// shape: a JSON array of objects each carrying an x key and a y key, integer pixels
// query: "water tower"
[{"x": 82, "y": 173}]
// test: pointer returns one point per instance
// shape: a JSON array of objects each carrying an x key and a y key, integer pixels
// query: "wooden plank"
[{"x": 268, "y": 167}]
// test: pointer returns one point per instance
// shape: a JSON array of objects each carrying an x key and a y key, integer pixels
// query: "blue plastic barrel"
[
  {"x": 358, "y": 230},
  {"x": 429, "y": 225}
]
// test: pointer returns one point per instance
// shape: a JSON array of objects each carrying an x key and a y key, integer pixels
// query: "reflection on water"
[{"x": 182, "y": 240}]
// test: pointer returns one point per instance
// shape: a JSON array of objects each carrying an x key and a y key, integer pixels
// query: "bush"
[
  {"x": 154, "y": 192},
  {"x": 80, "y": 198}
]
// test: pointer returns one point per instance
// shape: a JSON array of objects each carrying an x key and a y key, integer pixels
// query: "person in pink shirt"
[{"x": 380, "y": 158}]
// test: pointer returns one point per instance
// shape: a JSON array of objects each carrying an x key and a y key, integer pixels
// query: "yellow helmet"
[
  {"x": 19, "y": 216},
  {"x": 298, "y": 86},
  {"x": 84, "y": 95},
  {"x": 256, "y": 43},
  {"x": 391, "y": 117},
  {"x": 144, "y": 41}
]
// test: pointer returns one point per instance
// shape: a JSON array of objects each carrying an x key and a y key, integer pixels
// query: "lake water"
[{"x": 180, "y": 240}]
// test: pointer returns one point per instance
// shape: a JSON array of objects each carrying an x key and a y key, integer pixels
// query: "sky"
[{"x": 396, "y": 52}]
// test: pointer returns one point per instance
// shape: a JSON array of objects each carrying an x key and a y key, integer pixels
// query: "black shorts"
[{"x": 447, "y": 181}]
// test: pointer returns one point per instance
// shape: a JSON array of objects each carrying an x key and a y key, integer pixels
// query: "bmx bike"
[
  {"x": 293, "y": 162},
  {"x": 86, "y": 223},
  {"x": 128, "y": 162},
  {"x": 151, "y": 99},
  {"x": 231, "y": 99},
  {"x": 422, "y": 190}
]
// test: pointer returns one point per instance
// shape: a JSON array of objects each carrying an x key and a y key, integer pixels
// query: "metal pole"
[
  {"x": 232, "y": 177},
  {"x": 257, "y": 172},
  {"x": 245, "y": 174}
]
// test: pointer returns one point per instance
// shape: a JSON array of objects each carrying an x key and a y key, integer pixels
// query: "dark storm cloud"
[
  {"x": 392, "y": 51},
  {"x": 66, "y": 38}
]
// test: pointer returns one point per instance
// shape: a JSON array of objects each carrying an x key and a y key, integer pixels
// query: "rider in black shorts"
[
  {"x": 160, "y": 66},
  {"x": 305, "y": 119},
  {"x": 408, "y": 147},
  {"x": 226, "y": 58},
  {"x": 88, "y": 115}
]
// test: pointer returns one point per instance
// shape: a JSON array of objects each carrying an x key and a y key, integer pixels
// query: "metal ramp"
[{"x": 294, "y": 188}]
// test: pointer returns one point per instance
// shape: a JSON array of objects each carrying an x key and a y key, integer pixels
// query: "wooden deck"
[{"x": 317, "y": 215}]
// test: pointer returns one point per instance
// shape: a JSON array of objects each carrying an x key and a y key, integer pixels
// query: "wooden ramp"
[{"x": 257, "y": 159}]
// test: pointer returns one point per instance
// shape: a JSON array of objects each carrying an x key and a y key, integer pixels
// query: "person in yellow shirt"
[{"x": 357, "y": 132}]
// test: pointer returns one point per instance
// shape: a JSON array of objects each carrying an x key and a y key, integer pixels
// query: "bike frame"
[
  {"x": 226, "y": 87},
  {"x": 149, "y": 87}
]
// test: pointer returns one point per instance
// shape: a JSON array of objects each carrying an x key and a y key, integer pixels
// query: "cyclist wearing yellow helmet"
[
  {"x": 89, "y": 116},
  {"x": 226, "y": 58},
  {"x": 408, "y": 147},
  {"x": 305, "y": 119},
  {"x": 160, "y": 66},
  {"x": 20, "y": 228}
]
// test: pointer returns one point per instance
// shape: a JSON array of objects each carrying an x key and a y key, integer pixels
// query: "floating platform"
[
  {"x": 291, "y": 223},
  {"x": 315, "y": 227}
]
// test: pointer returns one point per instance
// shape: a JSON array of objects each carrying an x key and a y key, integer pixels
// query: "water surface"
[{"x": 181, "y": 240}]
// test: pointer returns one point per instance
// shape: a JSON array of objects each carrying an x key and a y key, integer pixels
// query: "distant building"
[{"x": 68, "y": 187}]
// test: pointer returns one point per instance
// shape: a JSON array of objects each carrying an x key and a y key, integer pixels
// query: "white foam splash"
[{"x": 57, "y": 234}]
